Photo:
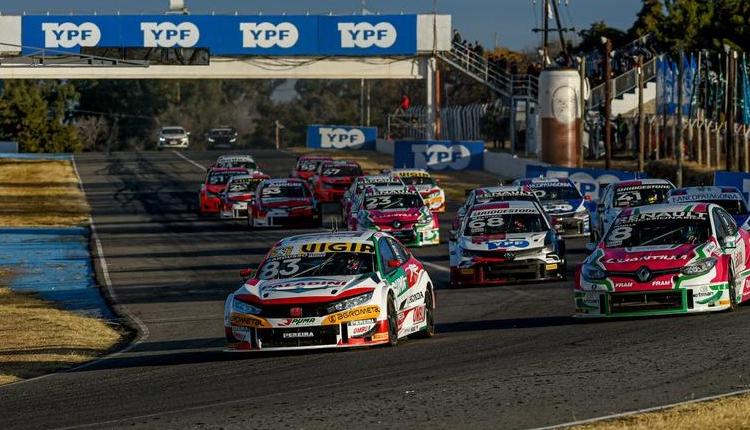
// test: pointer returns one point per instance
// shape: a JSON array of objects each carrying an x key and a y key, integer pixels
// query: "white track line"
[
  {"x": 643, "y": 411},
  {"x": 181, "y": 155}
]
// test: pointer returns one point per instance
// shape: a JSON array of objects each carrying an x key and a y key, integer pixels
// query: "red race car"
[
  {"x": 209, "y": 200},
  {"x": 283, "y": 202},
  {"x": 307, "y": 165},
  {"x": 238, "y": 193},
  {"x": 333, "y": 178}
]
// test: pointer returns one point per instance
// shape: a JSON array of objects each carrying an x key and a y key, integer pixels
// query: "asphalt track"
[{"x": 505, "y": 357}]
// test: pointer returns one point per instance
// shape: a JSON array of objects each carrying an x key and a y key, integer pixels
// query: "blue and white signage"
[
  {"x": 590, "y": 182},
  {"x": 734, "y": 179},
  {"x": 227, "y": 34},
  {"x": 439, "y": 154},
  {"x": 341, "y": 137}
]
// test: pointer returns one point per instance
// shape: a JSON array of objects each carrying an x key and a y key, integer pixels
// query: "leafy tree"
[{"x": 649, "y": 20}]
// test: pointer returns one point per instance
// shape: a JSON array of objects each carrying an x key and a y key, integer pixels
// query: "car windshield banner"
[
  {"x": 439, "y": 154},
  {"x": 291, "y": 35},
  {"x": 341, "y": 137},
  {"x": 591, "y": 182}
]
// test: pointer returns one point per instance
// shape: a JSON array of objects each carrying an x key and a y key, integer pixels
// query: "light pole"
[{"x": 607, "y": 103}]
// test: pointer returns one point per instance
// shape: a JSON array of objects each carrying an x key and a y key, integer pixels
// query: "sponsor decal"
[
  {"x": 400, "y": 285},
  {"x": 291, "y": 322},
  {"x": 706, "y": 196},
  {"x": 366, "y": 35},
  {"x": 644, "y": 187},
  {"x": 268, "y": 35},
  {"x": 377, "y": 337},
  {"x": 249, "y": 321},
  {"x": 652, "y": 216},
  {"x": 647, "y": 258},
  {"x": 169, "y": 35},
  {"x": 500, "y": 244},
  {"x": 419, "y": 315},
  {"x": 367, "y": 248},
  {"x": 551, "y": 266},
  {"x": 502, "y": 211},
  {"x": 414, "y": 297},
  {"x": 297, "y": 335},
  {"x": 69, "y": 35},
  {"x": 662, "y": 283},
  {"x": 623, "y": 284},
  {"x": 358, "y": 330},
  {"x": 563, "y": 207},
  {"x": 358, "y": 313},
  {"x": 340, "y": 138},
  {"x": 362, "y": 322}
]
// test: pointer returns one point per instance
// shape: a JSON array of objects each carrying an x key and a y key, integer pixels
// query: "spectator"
[
  {"x": 405, "y": 102},
  {"x": 457, "y": 37},
  {"x": 478, "y": 49},
  {"x": 622, "y": 131}
]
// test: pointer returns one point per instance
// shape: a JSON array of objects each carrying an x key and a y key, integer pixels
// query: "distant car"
[
  {"x": 729, "y": 198},
  {"x": 333, "y": 178},
  {"x": 504, "y": 242},
  {"x": 236, "y": 160},
  {"x": 209, "y": 200},
  {"x": 331, "y": 290},
  {"x": 237, "y": 194},
  {"x": 307, "y": 165},
  {"x": 173, "y": 137},
  {"x": 564, "y": 204},
  {"x": 627, "y": 194},
  {"x": 398, "y": 210},
  {"x": 221, "y": 137},
  {"x": 359, "y": 185},
  {"x": 284, "y": 202},
  {"x": 671, "y": 258},
  {"x": 428, "y": 187},
  {"x": 502, "y": 193}
]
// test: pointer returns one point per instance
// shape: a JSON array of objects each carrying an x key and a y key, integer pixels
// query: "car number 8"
[{"x": 620, "y": 233}]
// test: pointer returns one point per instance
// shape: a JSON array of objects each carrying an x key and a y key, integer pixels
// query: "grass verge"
[{"x": 725, "y": 413}]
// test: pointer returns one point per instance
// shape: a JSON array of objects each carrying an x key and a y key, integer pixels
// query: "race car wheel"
[
  {"x": 732, "y": 291},
  {"x": 392, "y": 322},
  {"x": 429, "y": 304},
  {"x": 250, "y": 222}
]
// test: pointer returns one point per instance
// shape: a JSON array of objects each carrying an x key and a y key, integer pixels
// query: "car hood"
[
  {"x": 663, "y": 257},
  {"x": 215, "y": 188},
  {"x": 173, "y": 136},
  {"x": 410, "y": 215},
  {"x": 504, "y": 242},
  {"x": 557, "y": 207},
  {"x": 316, "y": 289}
]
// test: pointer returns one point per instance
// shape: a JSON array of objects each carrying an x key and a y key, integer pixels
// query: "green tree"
[{"x": 649, "y": 20}]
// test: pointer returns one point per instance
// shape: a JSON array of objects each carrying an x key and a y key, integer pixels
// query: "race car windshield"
[
  {"x": 504, "y": 223},
  {"x": 243, "y": 187},
  {"x": 245, "y": 164},
  {"x": 734, "y": 207},
  {"x": 340, "y": 171},
  {"x": 657, "y": 232},
  {"x": 418, "y": 180},
  {"x": 393, "y": 201},
  {"x": 631, "y": 197},
  {"x": 173, "y": 131},
  {"x": 325, "y": 264},
  {"x": 288, "y": 191},
  {"x": 557, "y": 193}
]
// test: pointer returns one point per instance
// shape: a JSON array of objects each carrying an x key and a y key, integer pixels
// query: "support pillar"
[{"x": 430, "y": 106}]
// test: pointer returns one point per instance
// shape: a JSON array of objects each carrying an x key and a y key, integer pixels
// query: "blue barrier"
[
  {"x": 341, "y": 137},
  {"x": 352, "y": 35},
  {"x": 591, "y": 182},
  {"x": 36, "y": 156},
  {"x": 56, "y": 264},
  {"x": 734, "y": 179},
  {"x": 439, "y": 154}
]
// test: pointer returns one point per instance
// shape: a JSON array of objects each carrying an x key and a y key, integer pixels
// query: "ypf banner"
[
  {"x": 439, "y": 154},
  {"x": 341, "y": 137},
  {"x": 591, "y": 182}
]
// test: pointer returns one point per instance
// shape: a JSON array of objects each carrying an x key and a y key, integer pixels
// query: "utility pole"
[
  {"x": 607, "y": 104},
  {"x": 582, "y": 107},
  {"x": 731, "y": 150},
  {"x": 545, "y": 32},
  {"x": 641, "y": 117},
  {"x": 362, "y": 102},
  {"x": 678, "y": 132}
]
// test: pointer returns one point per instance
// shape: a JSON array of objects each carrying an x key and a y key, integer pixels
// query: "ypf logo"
[
  {"x": 441, "y": 157},
  {"x": 341, "y": 138},
  {"x": 267, "y": 35},
  {"x": 69, "y": 35},
  {"x": 169, "y": 35},
  {"x": 366, "y": 35}
]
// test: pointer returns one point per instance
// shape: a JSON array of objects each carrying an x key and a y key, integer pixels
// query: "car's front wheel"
[
  {"x": 392, "y": 322},
  {"x": 732, "y": 291}
]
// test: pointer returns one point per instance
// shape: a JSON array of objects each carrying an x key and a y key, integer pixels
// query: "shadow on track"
[{"x": 507, "y": 324}]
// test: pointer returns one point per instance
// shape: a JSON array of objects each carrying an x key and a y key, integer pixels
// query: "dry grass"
[
  {"x": 726, "y": 413},
  {"x": 37, "y": 338},
  {"x": 40, "y": 193}
]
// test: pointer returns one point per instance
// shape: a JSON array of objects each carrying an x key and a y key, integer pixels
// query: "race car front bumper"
[
  {"x": 497, "y": 271},
  {"x": 287, "y": 218},
  {"x": 210, "y": 204},
  {"x": 238, "y": 210}
]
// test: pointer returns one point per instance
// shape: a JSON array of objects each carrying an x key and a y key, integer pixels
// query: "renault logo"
[{"x": 643, "y": 274}]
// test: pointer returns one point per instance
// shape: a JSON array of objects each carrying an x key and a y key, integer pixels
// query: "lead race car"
[
  {"x": 505, "y": 242},
  {"x": 729, "y": 198},
  {"x": 331, "y": 290},
  {"x": 662, "y": 259},
  {"x": 563, "y": 202},
  {"x": 398, "y": 210}
]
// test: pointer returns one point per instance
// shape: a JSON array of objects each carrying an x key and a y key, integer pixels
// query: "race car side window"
[
  {"x": 729, "y": 224},
  {"x": 386, "y": 255},
  {"x": 721, "y": 230},
  {"x": 401, "y": 253}
]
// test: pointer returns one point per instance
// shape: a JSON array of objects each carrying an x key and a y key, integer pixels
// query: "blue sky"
[{"x": 481, "y": 20}]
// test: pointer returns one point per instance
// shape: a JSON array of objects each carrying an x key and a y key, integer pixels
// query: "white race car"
[
  {"x": 331, "y": 290},
  {"x": 234, "y": 161},
  {"x": 502, "y": 193},
  {"x": 627, "y": 194},
  {"x": 239, "y": 191}
]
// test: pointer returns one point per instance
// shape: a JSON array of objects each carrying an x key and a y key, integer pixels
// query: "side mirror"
[
  {"x": 394, "y": 264},
  {"x": 247, "y": 273},
  {"x": 590, "y": 247}
]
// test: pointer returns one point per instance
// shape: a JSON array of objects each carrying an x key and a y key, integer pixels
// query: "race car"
[
  {"x": 307, "y": 165},
  {"x": 627, "y": 194},
  {"x": 669, "y": 258},
  {"x": 398, "y": 210},
  {"x": 429, "y": 188},
  {"x": 283, "y": 202},
  {"x": 729, "y": 198},
  {"x": 358, "y": 186},
  {"x": 502, "y": 193},
  {"x": 563, "y": 202},
  {"x": 504, "y": 242},
  {"x": 235, "y": 161},
  {"x": 237, "y": 193},
  {"x": 216, "y": 180},
  {"x": 221, "y": 137},
  {"x": 333, "y": 178},
  {"x": 331, "y": 290}
]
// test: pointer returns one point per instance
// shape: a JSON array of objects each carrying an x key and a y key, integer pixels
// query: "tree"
[
  {"x": 591, "y": 38},
  {"x": 649, "y": 20}
]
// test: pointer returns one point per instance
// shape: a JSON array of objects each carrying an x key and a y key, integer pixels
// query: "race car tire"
[
  {"x": 429, "y": 304},
  {"x": 732, "y": 291},
  {"x": 250, "y": 225},
  {"x": 392, "y": 322}
]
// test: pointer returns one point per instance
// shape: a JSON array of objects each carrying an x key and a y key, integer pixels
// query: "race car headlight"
[
  {"x": 184, "y": 139},
  {"x": 162, "y": 139},
  {"x": 244, "y": 308},
  {"x": 232, "y": 140},
  {"x": 701, "y": 267},
  {"x": 211, "y": 139},
  {"x": 349, "y": 303},
  {"x": 592, "y": 273}
]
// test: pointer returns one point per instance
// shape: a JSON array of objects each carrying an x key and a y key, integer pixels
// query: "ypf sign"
[
  {"x": 366, "y": 35},
  {"x": 169, "y": 34},
  {"x": 268, "y": 35},
  {"x": 69, "y": 35},
  {"x": 439, "y": 155},
  {"x": 341, "y": 137}
]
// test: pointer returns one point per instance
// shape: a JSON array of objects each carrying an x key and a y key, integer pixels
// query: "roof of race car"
[
  {"x": 410, "y": 172},
  {"x": 638, "y": 182},
  {"x": 667, "y": 208},
  {"x": 344, "y": 236},
  {"x": 508, "y": 205},
  {"x": 540, "y": 182},
  {"x": 253, "y": 175},
  {"x": 373, "y": 190},
  {"x": 235, "y": 157},
  {"x": 696, "y": 194},
  {"x": 503, "y": 190}
]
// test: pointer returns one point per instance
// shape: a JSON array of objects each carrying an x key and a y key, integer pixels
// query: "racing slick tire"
[
  {"x": 429, "y": 304},
  {"x": 732, "y": 291},
  {"x": 392, "y": 322}
]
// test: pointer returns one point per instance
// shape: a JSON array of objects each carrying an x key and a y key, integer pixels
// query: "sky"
[{"x": 510, "y": 21}]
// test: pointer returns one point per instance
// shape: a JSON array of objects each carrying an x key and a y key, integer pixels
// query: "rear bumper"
[{"x": 507, "y": 272}]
